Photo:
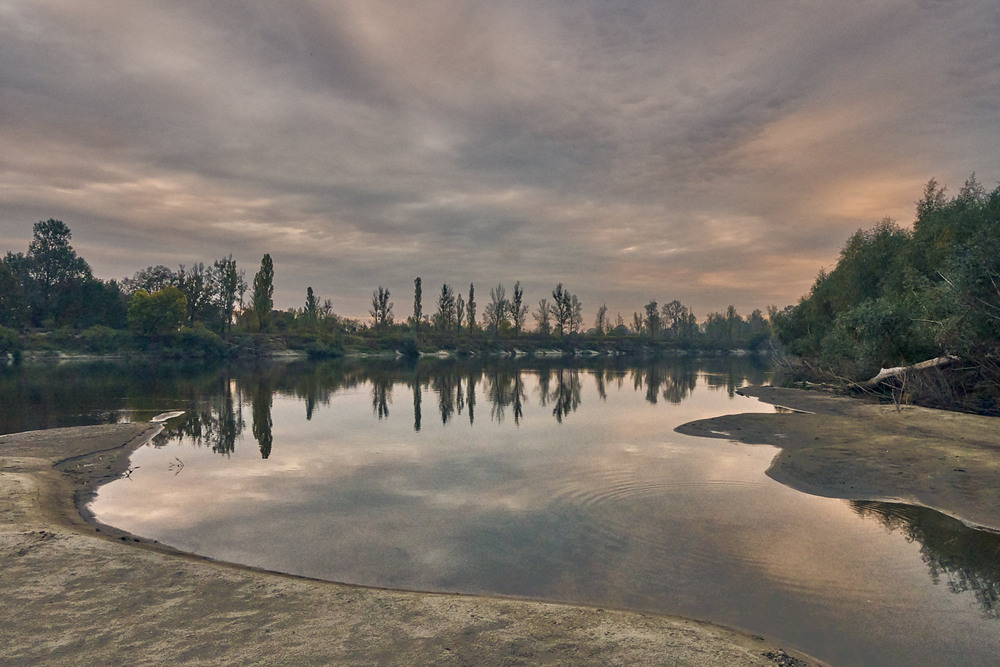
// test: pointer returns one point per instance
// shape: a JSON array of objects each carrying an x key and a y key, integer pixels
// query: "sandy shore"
[
  {"x": 857, "y": 450},
  {"x": 74, "y": 593}
]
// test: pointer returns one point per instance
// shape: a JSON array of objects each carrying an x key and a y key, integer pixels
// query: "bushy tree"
[
  {"x": 54, "y": 269},
  {"x": 652, "y": 320},
  {"x": 159, "y": 313}
]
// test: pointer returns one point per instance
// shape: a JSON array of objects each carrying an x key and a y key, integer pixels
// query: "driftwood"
[{"x": 901, "y": 371}]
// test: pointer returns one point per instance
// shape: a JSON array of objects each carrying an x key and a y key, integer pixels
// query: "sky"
[{"x": 716, "y": 151}]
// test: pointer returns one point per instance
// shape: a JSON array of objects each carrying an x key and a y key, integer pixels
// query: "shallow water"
[{"x": 555, "y": 483}]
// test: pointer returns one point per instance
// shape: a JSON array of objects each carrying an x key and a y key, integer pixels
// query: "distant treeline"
[
  {"x": 899, "y": 296},
  {"x": 49, "y": 298}
]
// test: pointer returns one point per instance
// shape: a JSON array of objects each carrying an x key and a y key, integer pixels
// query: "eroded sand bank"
[{"x": 73, "y": 594}]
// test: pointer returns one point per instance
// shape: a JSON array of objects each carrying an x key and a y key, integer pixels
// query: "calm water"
[{"x": 540, "y": 481}]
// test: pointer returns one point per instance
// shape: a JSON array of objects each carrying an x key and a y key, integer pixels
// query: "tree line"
[
  {"x": 204, "y": 305},
  {"x": 899, "y": 296}
]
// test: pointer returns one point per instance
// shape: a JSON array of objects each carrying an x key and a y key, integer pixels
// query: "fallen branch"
[{"x": 901, "y": 371}]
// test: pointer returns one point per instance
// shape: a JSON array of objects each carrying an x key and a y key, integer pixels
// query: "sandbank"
[{"x": 842, "y": 447}]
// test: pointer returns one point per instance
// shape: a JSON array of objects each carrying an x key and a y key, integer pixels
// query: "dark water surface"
[{"x": 542, "y": 481}]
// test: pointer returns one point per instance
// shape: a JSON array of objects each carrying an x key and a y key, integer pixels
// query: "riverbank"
[
  {"x": 841, "y": 447},
  {"x": 78, "y": 593}
]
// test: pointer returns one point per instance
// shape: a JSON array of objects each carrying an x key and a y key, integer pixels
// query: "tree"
[
  {"x": 496, "y": 311},
  {"x": 14, "y": 277},
  {"x": 445, "y": 318},
  {"x": 518, "y": 309},
  {"x": 230, "y": 285},
  {"x": 575, "y": 314},
  {"x": 381, "y": 310},
  {"x": 198, "y": 286},
  {"x": 601, "y": 325},
  {"x": 418, "y": 309},
  {"x": 471, "y": 308},
  {"x": 652, "y": 321},
  {"x": 673, "y": 317},
  {"x": 637, "y": 324},
  {"x": 459, "y": 313},
  {"x": 310, "y": 312},
  {"x": 263, "y": 291},
  {"x": 561, "y": 309},
  {"x": 542, "y": 316},
  {"x": 152, "y": 279},
  {"x": 159, "y": 313},
  {"x": 53, "y": 268}
]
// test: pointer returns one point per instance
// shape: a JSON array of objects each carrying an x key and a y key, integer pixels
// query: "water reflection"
[
  {"x": 261, "y": 398},
  {"x": 215, "y": 422},
  {"x": 594, "y": 500},
  {"x": 966, "y": 560}
]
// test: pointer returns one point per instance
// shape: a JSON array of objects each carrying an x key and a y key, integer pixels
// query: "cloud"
[{"x": 718, "y": 153}]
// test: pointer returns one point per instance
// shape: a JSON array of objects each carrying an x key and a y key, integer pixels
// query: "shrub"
[
  {"x": 103, "y": 340},
  {"x": 10, "y": 343},
  {"x": 198, "y": 341}
]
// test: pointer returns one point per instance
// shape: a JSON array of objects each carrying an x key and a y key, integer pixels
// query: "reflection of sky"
[{"x": 610, "y": 507}]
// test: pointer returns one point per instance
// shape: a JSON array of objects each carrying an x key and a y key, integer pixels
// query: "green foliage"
[
  {"x": 263, "y": 293},
  {"x": 159, "y": 313},
  {"x": 898, "y": 297},
  {"x": 102, "y": 339},
  {"x": 198, "y": 341},
  {"x": 14, "y": 309},
  {"x": 9, "y": 342},
  {"x": 54, "y": 270}
]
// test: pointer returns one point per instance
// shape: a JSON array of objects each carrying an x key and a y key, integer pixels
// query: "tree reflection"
[
  {"x": 417, "y": 401},
  {"x": 967, "y": 560},
  {"x": 566, "y": 394},
  {"x": 216, "y": 422},
  {"x": 673, "y": 380},
  {"x": 381, "y": 395},
  {"x": 470, "y": 394},
  {"x": 260, "y": 401},
  {"x": 505, "y": 389},
  {"x": 444, "y": 384}
]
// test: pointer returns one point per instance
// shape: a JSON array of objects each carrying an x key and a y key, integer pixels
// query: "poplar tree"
[
  {"x": 471, "y": 308},
  {"x": 418, "y": 309},
  {"x": 231, "y": 283},
  {"x": 263, "y": 291}
]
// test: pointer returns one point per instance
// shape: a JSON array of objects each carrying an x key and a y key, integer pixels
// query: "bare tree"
[
  {"x": 496, "y": 311},
  {"x": 381, "y": 310},
  {"x": 543, "y": 318}
]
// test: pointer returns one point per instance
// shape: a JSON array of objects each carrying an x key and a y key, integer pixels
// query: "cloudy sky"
[{"x": 718, "y": 152}]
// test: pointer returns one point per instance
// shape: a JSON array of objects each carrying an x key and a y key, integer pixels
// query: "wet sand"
[
  {"x": 72, "y": 592},
  {"x": 858, "y": 450}
]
